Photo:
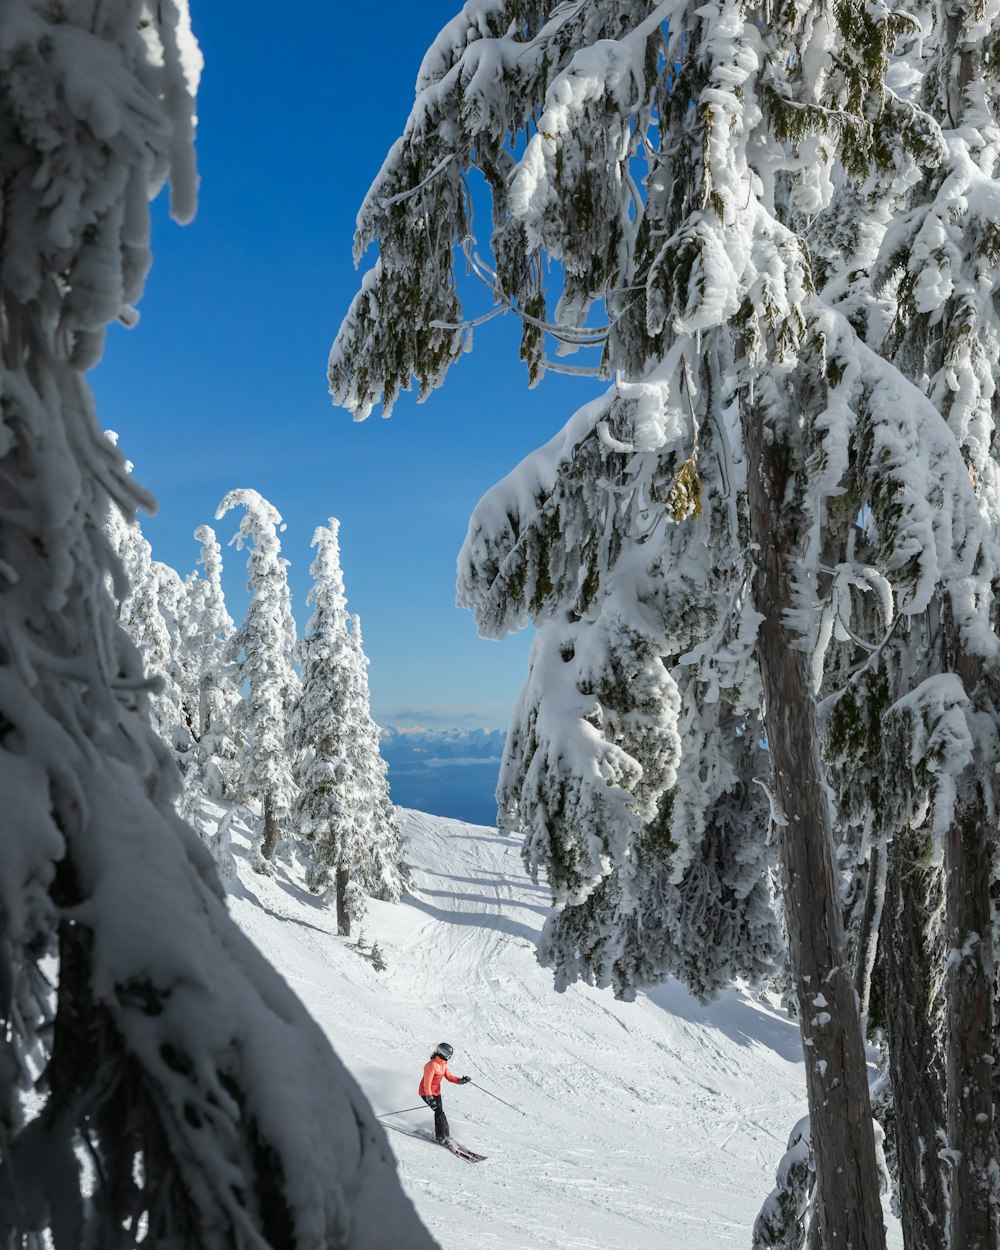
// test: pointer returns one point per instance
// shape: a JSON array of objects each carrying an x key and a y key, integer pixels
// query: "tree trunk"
[
  {"x": 343, "y": 919},
  {"x": 973, "y": 1224},
  {"x": 969, "y": 977},
  {"x": 270, "y": 838},
  {"x": 969, "y": 844},
  {"x": 847, "y": 1176},
  {"x": 914, "y": 1026},
  {"x": 871, "y": 922}
]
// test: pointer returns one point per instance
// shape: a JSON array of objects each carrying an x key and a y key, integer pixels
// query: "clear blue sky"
[{"x": 223, "y": 382}]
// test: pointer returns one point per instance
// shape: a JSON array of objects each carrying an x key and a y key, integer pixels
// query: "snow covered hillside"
[{"x": 651, "y": 1125}]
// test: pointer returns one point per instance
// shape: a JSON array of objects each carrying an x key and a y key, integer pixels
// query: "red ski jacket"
[{"x": 434, "y": 1069}]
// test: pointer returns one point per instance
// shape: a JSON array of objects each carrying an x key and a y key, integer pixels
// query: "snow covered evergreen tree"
[
  {"x": 941, "y": 263},
  {"x": 690, "y": 538},
  {"x": 209, "y": 638},
  {"x": 782, "y": 1222},
  {"x": 263, "y": 650},
  {"x": 381, "y": 865},
  {"x": 149, "y": 610},
  {"x": 342, "y": 810},
  {"x": 176, "y": 701},
  {"x": 916, "y": 271},
  {"x": 213, "y": 699},
  {"x": 140, "y": 1029}
]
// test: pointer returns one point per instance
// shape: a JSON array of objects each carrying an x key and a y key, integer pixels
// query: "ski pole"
[
  {"x": 499, "y": 1099},
  {"x": 423, "y": 1107}
]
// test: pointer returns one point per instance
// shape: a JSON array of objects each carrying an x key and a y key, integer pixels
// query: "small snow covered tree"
[
  {"x": 139, "y": 1029},
  {"x": 263, "y": 650},
  {"x": 691, "y": 537},
  {"x": 342, "y": 810},
  {"x": 213, "y": 699},
  {"x": 176, "y": 700},
  {"x": 381, "y": 865},
  {"x": 209, "y": 638},
  {"x": 781, "y": 1224},
  {"x": 149, "y": 609}
]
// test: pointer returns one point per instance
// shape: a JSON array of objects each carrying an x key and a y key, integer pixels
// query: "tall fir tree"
[
  {"x": 208, "y": 642},
  {"x": 939, "y": 263},
  {"x": 691, "y": 537},
  {"x": 263, "y": 650},
  {"x": 342, "y": 810},
  {"x": 213, "y": 696},
  {"x": 381, "y": 866},
  {"x": 150, "y": 608},
  {"x": 160, "y": 1082},
  {"x": 907, "y": 255},
  {"x": 174, "y": 707}
]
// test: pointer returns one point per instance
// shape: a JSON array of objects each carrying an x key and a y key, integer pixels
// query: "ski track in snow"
[{"x": 653, "y": 1125}]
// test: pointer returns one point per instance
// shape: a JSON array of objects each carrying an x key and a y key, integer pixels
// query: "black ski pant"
[{"x": 440, "y": 1119}]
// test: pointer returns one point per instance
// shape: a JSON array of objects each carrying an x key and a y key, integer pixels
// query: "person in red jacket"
[{"x": 430, "y": 1087}]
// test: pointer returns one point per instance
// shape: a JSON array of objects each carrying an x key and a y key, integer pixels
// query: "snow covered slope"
[{"x": 647, "y": 1126}]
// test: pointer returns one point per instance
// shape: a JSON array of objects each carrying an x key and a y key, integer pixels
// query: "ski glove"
[{"x": 464, "y": 1080}]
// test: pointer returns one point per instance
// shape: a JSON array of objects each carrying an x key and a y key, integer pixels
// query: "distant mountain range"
[{"x": 447, "y": 772}]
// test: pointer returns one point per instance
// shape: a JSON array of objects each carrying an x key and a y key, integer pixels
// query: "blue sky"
[{"x": 223, "y": 382}]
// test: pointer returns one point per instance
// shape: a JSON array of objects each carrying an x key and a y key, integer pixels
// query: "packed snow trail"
[{"x": 646, "y": 1126}]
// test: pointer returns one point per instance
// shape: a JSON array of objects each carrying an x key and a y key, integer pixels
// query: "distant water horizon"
[{"x": 445, "y": 772}]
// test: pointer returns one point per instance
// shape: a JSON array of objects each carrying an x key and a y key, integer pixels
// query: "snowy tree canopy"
[
  {"x": 680, "y": 232},
  {"x": 769, "y": 498},
  {"x": 141, "y": 1032},
  {"x": 938, "y": 271}
]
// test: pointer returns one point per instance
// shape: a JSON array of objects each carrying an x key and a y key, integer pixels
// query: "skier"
[{"x": 430, "y": 1088}]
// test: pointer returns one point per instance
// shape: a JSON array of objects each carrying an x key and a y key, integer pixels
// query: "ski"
[{"x": 462, "y": 1152}]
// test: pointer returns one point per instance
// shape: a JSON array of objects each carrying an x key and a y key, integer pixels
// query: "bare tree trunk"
[
  {"x": 270, "y": 839},
  {"x": 914, "y": 1015},
  {"x": 343, "y": 919},
  {"x": 836, "y": 1075},
  {"x": 871, "y": 922},
  {"x": 973, "y": 1224}
]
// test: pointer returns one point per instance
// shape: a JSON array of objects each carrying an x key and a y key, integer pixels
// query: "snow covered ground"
[{"x": 649, "y": 1126}]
